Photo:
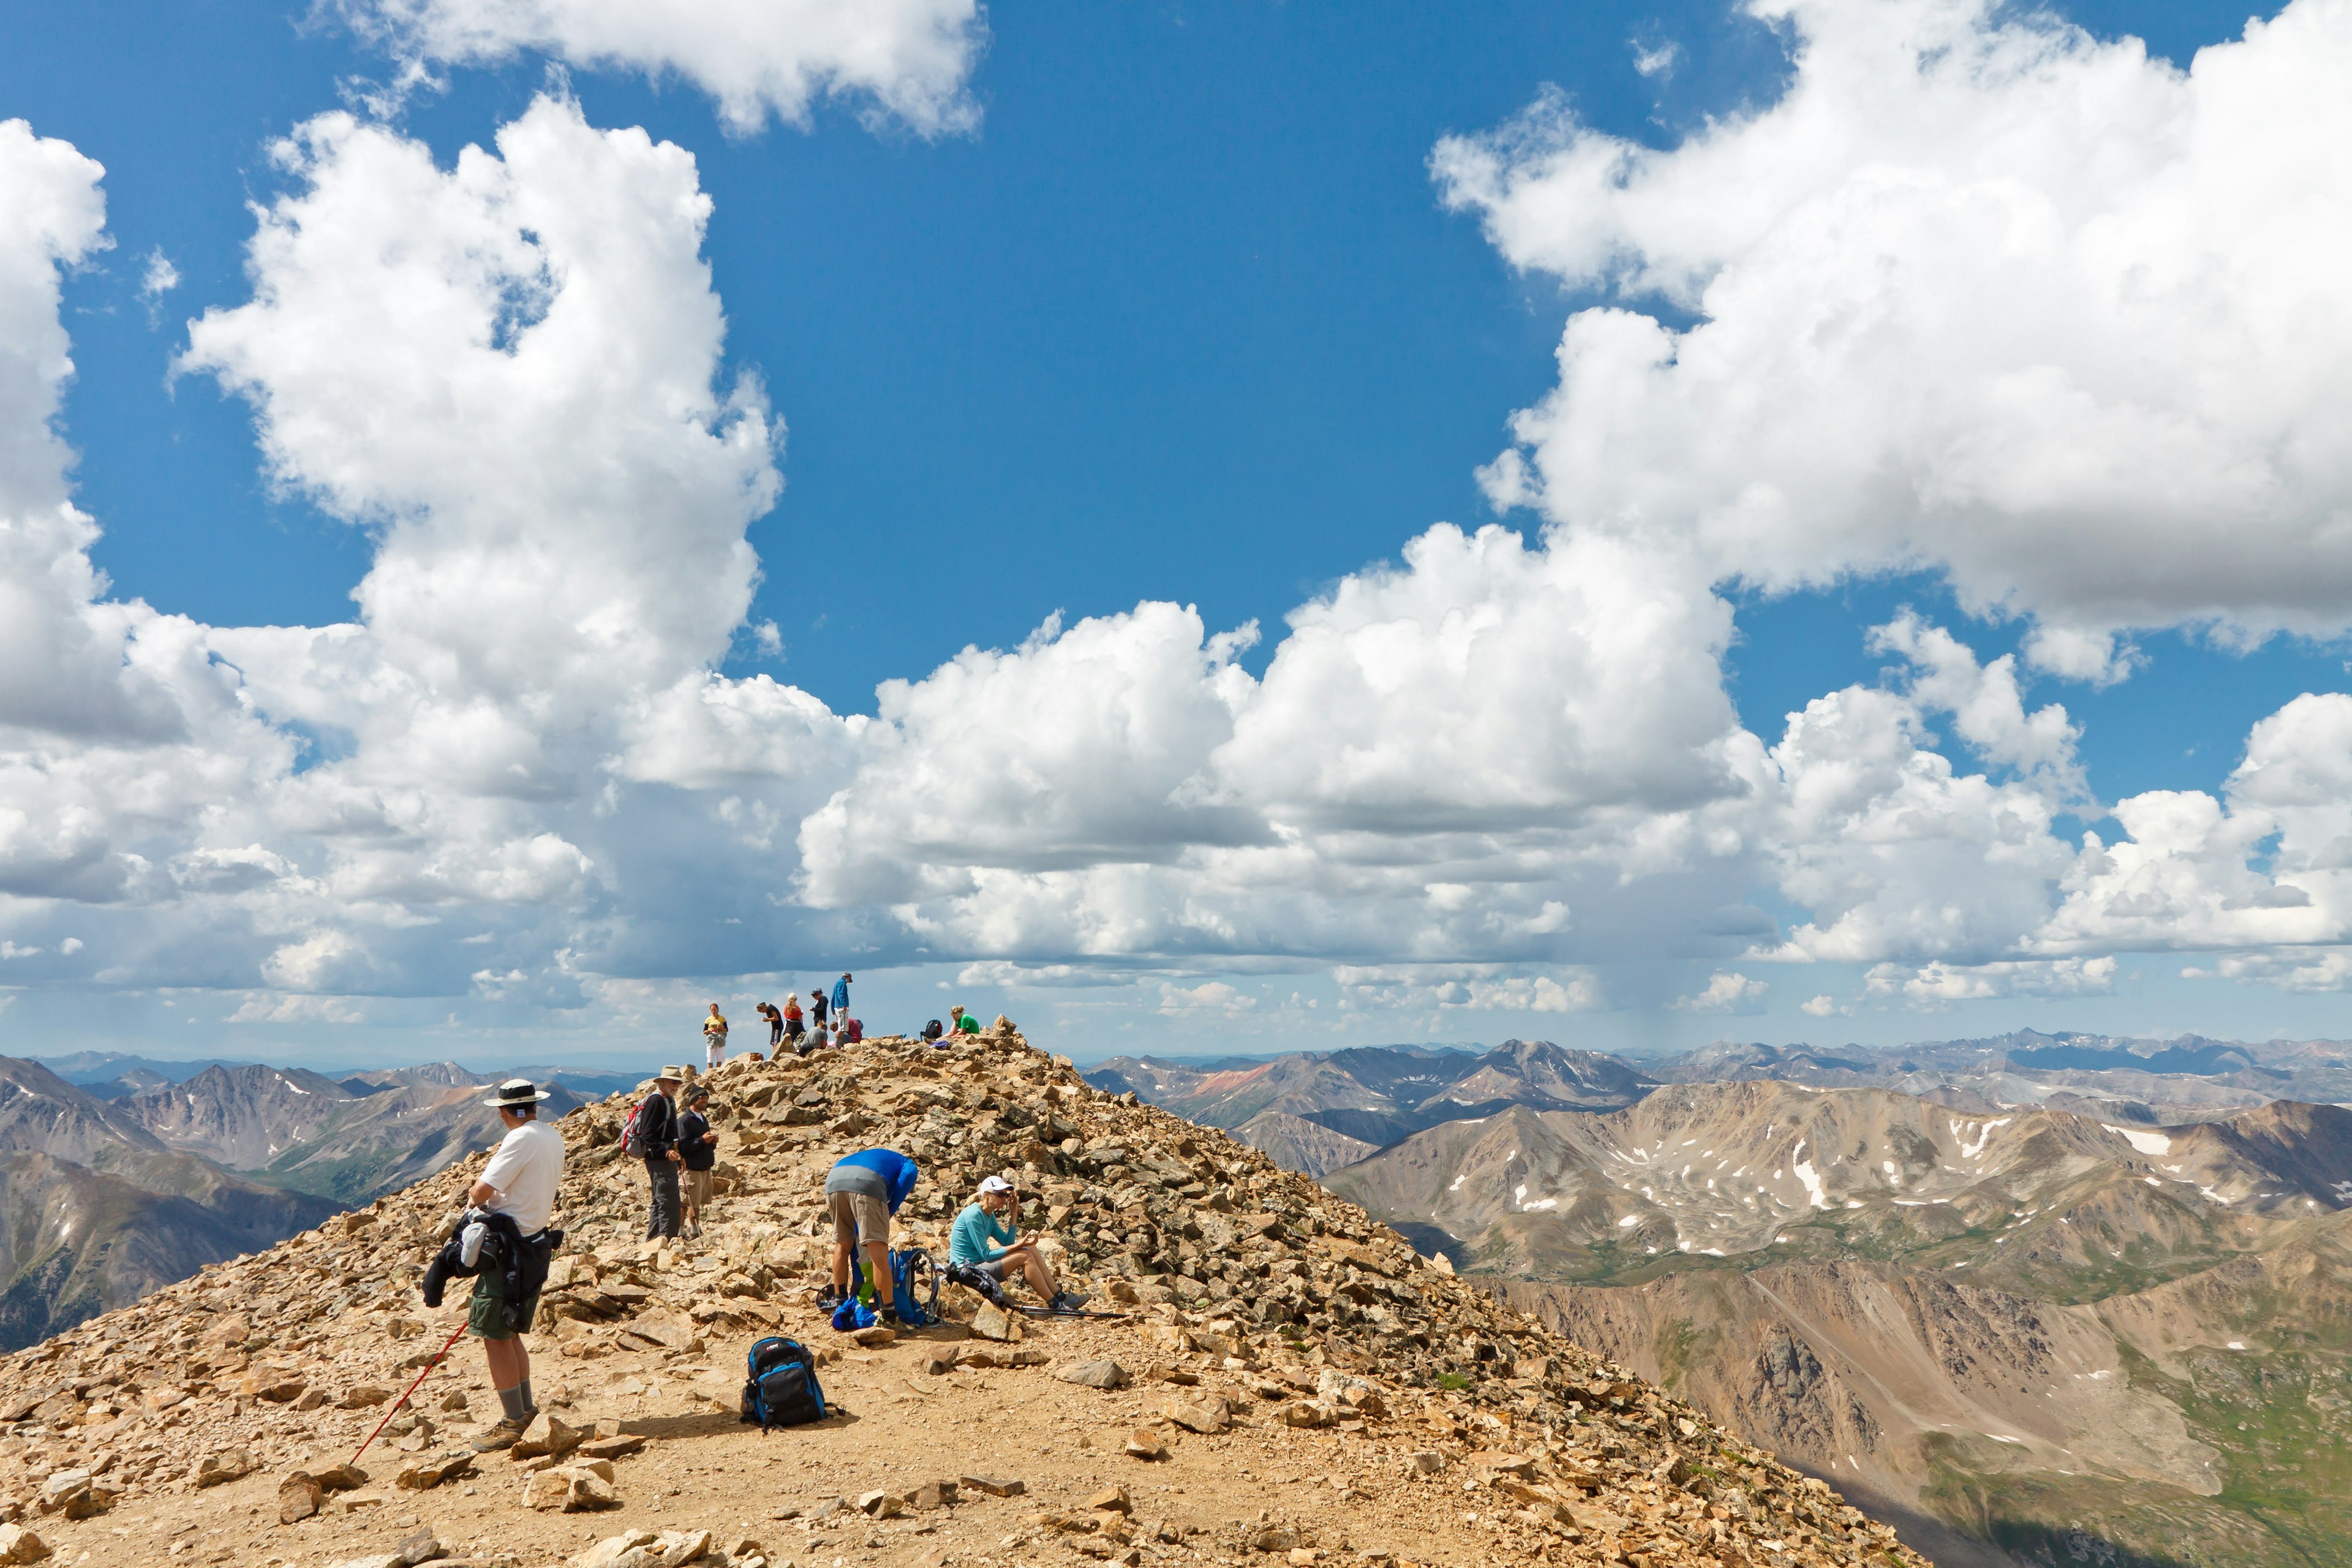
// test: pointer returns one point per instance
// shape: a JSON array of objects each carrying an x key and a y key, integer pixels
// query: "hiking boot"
[
  {"x": 490, "y": 1440},
  {"x": 1066, "y": 1301},
  {"x": 828, "y": 1299}
]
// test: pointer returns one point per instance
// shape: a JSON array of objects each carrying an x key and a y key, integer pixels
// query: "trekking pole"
[{"x": 403, "y": 1400}]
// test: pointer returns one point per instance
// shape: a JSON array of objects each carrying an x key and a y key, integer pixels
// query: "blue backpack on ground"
[
  {"x": 782, "y": 1389},
  {"x": 910, "y": 1271}
]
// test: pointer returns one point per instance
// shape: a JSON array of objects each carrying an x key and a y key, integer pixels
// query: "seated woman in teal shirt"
[{"x": 982, "y": 1239}]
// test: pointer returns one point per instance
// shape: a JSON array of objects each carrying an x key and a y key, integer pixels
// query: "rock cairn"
[{"x": 1254, "y": 1299}]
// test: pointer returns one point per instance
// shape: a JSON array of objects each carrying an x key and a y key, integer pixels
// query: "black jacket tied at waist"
[{"x": 521, "y": 1261}]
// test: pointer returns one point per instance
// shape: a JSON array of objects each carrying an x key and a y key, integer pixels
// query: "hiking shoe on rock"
[
  {"x": 1064, "y": 1301},
  {"x": 490, "y": 1440}
]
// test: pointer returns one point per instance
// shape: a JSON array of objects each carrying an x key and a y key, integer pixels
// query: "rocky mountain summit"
[{"x": 1289, "y": 1383}]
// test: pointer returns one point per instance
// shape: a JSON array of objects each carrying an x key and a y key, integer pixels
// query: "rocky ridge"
[{"x": 1272, "y": 1331}]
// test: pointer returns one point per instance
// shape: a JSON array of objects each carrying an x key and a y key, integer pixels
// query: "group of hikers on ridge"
[
  {"x": 505, "y": 1242},
  {"x": 824, "y": 1025}
]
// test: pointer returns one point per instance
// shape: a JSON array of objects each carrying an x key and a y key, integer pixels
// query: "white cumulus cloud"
[
  {"x": 1980, "y": 292},
  {"x": 1726, "y": 992},
  {"x": 906, "y": 61}
]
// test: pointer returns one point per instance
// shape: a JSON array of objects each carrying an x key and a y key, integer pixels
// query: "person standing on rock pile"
[
  {"x": 714, "y": 1040},
  {"x": 862, "y": 1192},
  {"x": 794, "y": 1028},
  {"x": 841, "y": 997},
  {"x": 816, "y": 1009},
  {"x": 775, "y": 1026},
  {"x": 520, "y": 1182},
  {"x": 657, "y": 1142},
  {"x": 697, "y": 1148}
]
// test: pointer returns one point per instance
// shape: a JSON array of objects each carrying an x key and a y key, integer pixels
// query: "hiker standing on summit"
[
  {"x": 652, "y": 1136},
  {"x": 697, "y": 1148},
  {"x": 841, "y": 997},
  {"x": 714, "y": 1040},
  {"x": 520, "y": 1182}
]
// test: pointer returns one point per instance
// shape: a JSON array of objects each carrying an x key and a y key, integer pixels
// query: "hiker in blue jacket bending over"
[{"x": 862, "y": 1192}]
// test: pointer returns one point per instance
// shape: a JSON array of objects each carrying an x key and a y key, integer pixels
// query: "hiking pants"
[{"x": 666, "y": 1220}]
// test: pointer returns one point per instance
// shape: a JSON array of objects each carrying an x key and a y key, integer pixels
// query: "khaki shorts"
[
  {"x": 697, "y": 1185},
  {"x": 857, "y": 1215},
  {"x": 484, "y": 1319}
]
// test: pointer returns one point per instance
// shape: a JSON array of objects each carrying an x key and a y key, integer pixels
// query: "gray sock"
[
  {"x": 514, "y": 1401},
  {"x": 529, "y": 1405}
]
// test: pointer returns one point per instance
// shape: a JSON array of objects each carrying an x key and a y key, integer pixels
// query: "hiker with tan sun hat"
[
  {"x": 516, "y": 1197},
  {"x": 651, "y": 1134}
]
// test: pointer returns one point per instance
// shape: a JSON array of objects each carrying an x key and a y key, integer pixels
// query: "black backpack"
[{"x": 781, "y": 1389}]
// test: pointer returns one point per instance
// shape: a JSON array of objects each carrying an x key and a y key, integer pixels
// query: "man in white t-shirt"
[{"x": 520, "y": 1182}]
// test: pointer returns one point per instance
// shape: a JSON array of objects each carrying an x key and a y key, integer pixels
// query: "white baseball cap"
[{"x": 995, "y": 1184}]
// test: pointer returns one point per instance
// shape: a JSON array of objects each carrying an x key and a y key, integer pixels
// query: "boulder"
[
  {"x": 546, "y": 1435},
  {"x": 618, "y": 1446},
  {"x": 434, "y": 1468},
  {"x": 875, "y": 1337},
  {"x": 1104, "y": 1374},
  {"x": 76, "y": 1494},
  {"x": 299, "y": 1496},
  {"x": 994, "y": 1322},
  {"x": 420, "y": 1545},
  {"x": 231, "y": 1464},
  {"x": 343, "y": 1477},
  {"x": 1209, "y": 1417},
  {"x": 570, "y": 1489},
  {"x": 608, "y": 1552},
  {"x": 882, "y": 1504},
  {"x": 18, "y": 1544},
  {"x": 1111, "y": 1499},
  {"x": 995, "y": 1486},
  {"x": 1143, "y": 1443}
]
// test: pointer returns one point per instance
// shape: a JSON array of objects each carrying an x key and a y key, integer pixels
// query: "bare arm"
[{"x": 481, "y": 1193}]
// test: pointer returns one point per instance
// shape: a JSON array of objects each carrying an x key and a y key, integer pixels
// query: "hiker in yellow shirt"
[{"x": 714, "y": 1039}]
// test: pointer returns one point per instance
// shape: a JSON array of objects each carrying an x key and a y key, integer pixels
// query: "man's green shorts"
[{"x": 485, "y": 1318}]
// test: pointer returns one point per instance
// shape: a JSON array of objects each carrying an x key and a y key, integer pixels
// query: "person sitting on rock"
[
  {"x": 985, "y": 1241},
  {"x": 862, "y": 1192},
  {"x": 962, "y": 1022}
]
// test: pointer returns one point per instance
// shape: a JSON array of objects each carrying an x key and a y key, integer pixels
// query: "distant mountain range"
[
  {"x": 96, "y": 1211},
  {"x": 1370, "y": 1096},
  {"x": 152, "y": 1169},
  {"x": 2189, "y": 1078},
  {"x": 2054, "y": 1300}
]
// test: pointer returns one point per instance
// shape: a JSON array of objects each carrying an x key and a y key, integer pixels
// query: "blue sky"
[{"x": 1185, "y": 318}]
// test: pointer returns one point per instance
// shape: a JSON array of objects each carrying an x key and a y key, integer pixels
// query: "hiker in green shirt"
[{"x": 983, "y": 1239}]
